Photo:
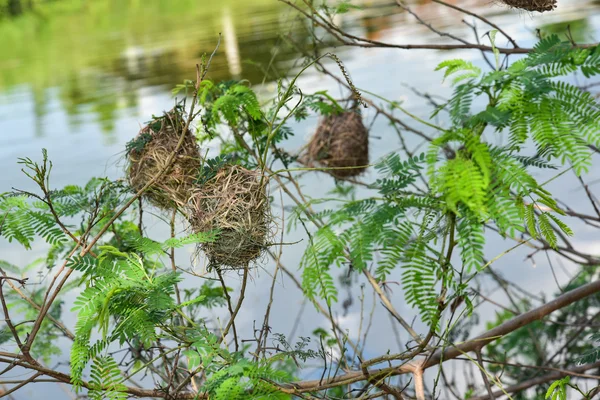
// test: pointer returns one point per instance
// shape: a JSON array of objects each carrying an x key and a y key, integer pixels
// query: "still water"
[{"x": 81, "y": 78}]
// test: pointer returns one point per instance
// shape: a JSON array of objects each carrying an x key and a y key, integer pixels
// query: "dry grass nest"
[
  {"x": 149, "y": 152},
  {"x": 532, "y": 5},
  {"x": 235, "y": 203},
  {"x": 341, "y": 141}
]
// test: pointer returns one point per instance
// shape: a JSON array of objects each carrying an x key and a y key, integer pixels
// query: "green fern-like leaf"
[
  {"x": 194, "y": 238},
  {"x": 393, "y": 247},
  {"x": 466, "y": 69},
  {"x": 593, "y": 355},
  {"x": 547, "y": 230},
  {"x": 418, "y": 281},
  {"x": 530, "y": 221},
  {"x": 325, "y": 249},
  {"x": 471, "y": 240},
  {"x": 106, "y": 380},
  {"x": 85, "y": 264}
]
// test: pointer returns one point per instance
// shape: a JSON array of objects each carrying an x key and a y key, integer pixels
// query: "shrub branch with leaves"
[{"x": 424, "y": 223}]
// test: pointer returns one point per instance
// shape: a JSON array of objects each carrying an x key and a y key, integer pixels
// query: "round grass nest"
[
  {"x": 149, "y": 152},
  {"x": 235, "y": 203},
  {"x": 532, "y": 5},
  {"x": 341, "y": 141}
]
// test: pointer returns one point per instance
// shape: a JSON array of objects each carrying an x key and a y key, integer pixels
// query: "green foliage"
[
  {"x": 150, "y": 247},
  {"x": 299, "y": 351},
  {"x": 467, "y": 69},
  {"x": 476, "y": 182},
  {"x": 419, "y": 281},
  {"x": 425, "y": 214},
  {"x": 213, "y": 165},
  {"x": 379, "y": 226},
  {"x": 123, "y": 289},
  {"x": 525, "y": 99},
  {"x": 26, "y": 216},
  {"x": 138, "y": 143},
  {"x": 558, "y": 389},
  {"x": 593, "y": 355},
  {"x": 106, "y": 380},
  {"x": 24, "y": 222},
  {"x": 325, "y": 249},
  {"x": 345, "y": 6},
  {"x": 320, "y": 103},
  {"x": 244, "y": 377},
  {"x": 228, "y": 101},
  {"x": 470, "y": 241}
]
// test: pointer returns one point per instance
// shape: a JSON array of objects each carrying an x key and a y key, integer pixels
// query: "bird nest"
[
  {"x": 235, "y": 203},
  {"x": 149, "y": 153},
  {"x": 532, "y": 5},
  {"x": 341, "y": 142}
]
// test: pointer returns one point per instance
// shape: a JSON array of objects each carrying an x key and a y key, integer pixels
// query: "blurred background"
[{"x": 80, "y": 78}]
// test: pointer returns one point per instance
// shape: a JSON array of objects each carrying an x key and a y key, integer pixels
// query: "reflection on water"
[
  {"x": 99, "y": 54},
  {"x": 578, "y": 30}
]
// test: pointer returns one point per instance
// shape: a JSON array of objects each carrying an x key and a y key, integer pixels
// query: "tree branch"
[{"x": 536, "y": 381}]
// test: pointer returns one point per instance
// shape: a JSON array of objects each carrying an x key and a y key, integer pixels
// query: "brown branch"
[
  {"x": 7, "y": 319},
  {"x": 453, "y": 352},
  {"x": 56, "y": 323},
  {"x": 429, "y": 26},
  {"x": 229, "y": 307},
  {"x": 479, "y": 17},
  {"x": 536, "y": 381},
  {"x": 381, "y": 384},
  {"x": 438, "y": 357},
  {"x": 346, "y": 379},
  {"x": 172, "y": 253},
  {"x": 238, "y": 306},
  {"x": 536, "y": 367},
  {"x": 515, "y": 323},
  {"x": 419, "y": 387},
  {"x": 134, "y": 391},
  {"x": 486, "y": 381},
  {"x": 20, "y": 385},
  {"x": 351, "y": 40}
]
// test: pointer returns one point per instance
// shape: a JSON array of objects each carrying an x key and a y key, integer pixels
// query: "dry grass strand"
[
  {"x": 155, "y": 143},
  {"x": 531, "y": 5},
  {"x": 235, "y": 202}
]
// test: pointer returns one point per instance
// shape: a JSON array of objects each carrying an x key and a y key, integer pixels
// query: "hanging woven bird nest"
[
  {"x": 341, "y": 141},
  {"x": 532, "y": 5},
  {"x": 235, "y": 203},
  {"x": 149, "y": 152}
]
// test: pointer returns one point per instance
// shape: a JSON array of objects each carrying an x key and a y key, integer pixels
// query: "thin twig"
[
  {"x": 238, "y": 306},
  {"x": 481, "y": 18},
  {"x": 486, "y": 381},
  {"x": 388, "y": 305},
  {"x": 229, "y": 307}
]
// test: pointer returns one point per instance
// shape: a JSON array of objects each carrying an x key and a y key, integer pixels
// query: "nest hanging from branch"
[
  {"x": 341, "y": 141},
  {"x": 235, "y": 203},
  {"x": 149, "y": 152},
  {"x": 532, "y": 5}
]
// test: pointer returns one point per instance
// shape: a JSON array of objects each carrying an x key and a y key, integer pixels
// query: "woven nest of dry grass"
[
  {"x": 532, "y": 5},
  {"x": 235, "y": 203},
  {"x": 341, "y": 141},
  {"x": 149, "y": 152}
]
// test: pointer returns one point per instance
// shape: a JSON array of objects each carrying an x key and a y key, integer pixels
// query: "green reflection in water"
[
  {"x": 100, "y": 53},
  {"x": 579, "y": 30}
]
